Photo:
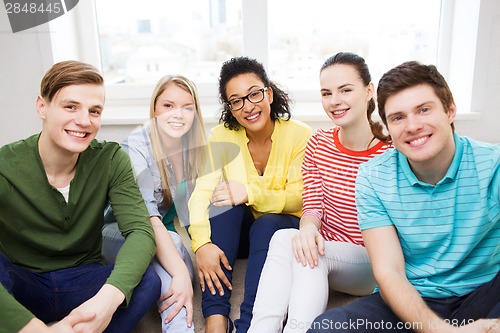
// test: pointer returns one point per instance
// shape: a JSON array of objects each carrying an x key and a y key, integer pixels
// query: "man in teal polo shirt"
[
  {"x": 429, "y": 212},
  {"x": 54, "y": 187}
]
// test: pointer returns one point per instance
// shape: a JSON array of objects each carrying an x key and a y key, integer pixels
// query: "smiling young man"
[
  {"x": 429, "y": 212},
  {"x": 54, "y": 187}
]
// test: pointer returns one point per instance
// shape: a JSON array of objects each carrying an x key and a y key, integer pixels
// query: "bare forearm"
[
  {"x": 102, "y": 306},
  {"x": 409, "y": 306},
  {"x": 166, "y": 252},
  {"x": 34, "y": 325},
  {"x": 307, "y": 220},
  {"x": 389, "y": 269},
  {"x": 64, "y": 326}
]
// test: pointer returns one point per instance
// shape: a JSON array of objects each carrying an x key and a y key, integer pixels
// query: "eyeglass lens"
[{"x": 254, "y": 97}]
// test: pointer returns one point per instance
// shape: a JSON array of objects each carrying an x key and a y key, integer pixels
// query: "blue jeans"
[
  {"x": 113, "y": 241},
  {"x": 53, "y": 295},
  {"x": 238, "y": 234},
  {"x": 372, "y": 314}
]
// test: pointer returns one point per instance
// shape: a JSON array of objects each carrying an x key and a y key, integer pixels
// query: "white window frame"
[{"x": 75, "y": 36}]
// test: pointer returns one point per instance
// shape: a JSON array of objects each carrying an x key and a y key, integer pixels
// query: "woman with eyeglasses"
[
  {"x": 253, "y": 191},
  {"x": 327, "y": 252},
  {"x": 167, "y": 154}
]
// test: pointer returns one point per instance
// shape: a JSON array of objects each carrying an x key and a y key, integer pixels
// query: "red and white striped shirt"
[{"x": 329, "y": 170}]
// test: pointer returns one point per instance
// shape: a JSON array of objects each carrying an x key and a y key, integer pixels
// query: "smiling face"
[
  {"x": 174, "y": 111},
  {"x": 254, "y": 117},
  {"x": 344, "y": 95},
  {"x": 72, "y": 119},
  {"x": 420, "y": 127}
]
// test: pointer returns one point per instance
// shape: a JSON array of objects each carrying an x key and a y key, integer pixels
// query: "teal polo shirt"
[{"x": 449, "y": 232}]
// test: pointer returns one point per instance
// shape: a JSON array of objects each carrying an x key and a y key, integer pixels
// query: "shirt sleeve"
[
  {"x": 133, "y": 220},
  {"x": 312, "y": 196},
  {"x": 14, "y": 315},
  {"x": 371, "y": 211},
  {"x": 139, "y": 154},
  {"x": 200, "y": 200}
]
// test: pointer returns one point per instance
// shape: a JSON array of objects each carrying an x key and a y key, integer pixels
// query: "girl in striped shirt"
[{"x": 328, "y": 250}]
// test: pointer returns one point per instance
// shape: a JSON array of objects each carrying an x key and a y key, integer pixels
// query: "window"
[
  {"x": 194, "y": 37},
  {"x": 136, "y": 45},
  {"x": 146, "y": 41},
  {"x": 386, "y": 33}
]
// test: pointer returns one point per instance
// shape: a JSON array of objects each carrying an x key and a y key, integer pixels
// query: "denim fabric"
[
  {"x": 371, "y": 313},
  {"x": 286, "y": 287},
  {"x": 139, "y": 147},
  {"x": 53, "y": 295},
  {"x": 113, "y": 240},
  {"x": 238, "y": 234}
]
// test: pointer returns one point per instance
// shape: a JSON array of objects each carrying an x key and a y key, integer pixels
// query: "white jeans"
[{"x": 287, "y": 285}]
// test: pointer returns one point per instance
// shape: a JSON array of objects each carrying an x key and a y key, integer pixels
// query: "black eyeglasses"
[{"x": 253, "y": 97}]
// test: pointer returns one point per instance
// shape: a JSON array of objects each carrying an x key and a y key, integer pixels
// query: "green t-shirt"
[{"x": 42, "y": 232}]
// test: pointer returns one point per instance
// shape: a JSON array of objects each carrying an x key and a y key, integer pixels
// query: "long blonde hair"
[{"x": 194, "y": 140}]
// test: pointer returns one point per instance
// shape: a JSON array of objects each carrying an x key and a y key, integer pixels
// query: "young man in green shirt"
[{"x": 54, "y": 187}]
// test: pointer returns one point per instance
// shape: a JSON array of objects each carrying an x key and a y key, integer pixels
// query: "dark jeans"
[
  {"x": 371, "y": 314},
  {"x": 53, "y": 295},
  {"x": 238, "y": 234}
]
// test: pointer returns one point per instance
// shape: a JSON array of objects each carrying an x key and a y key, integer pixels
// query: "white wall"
[
  {"x": 20, "y": 72},
  {"x": 25, "y": 56},
  {"x": 486, "y": 84}
]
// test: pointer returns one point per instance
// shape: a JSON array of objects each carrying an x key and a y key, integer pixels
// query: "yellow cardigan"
[{"x": 279, "y": 190}]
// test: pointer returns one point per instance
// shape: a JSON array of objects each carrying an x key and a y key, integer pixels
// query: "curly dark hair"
[{"x": 280, "y": 108}]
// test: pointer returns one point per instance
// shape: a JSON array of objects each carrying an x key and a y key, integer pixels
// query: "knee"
[
  {"x": 265, "y": 225},
  {"x": 326, "y": 321},
  {"x": 227, "y": 213},
  {"x": 112, "y": 241},
  {"x": 148, "y": 291},
  {"x": 264, "y": 228},
  {"x": 111, "y": 232},
  {"x": 282, "y": 240},
  {"x": 152, "y": 281},
  {"x": 177, "y": 240}
]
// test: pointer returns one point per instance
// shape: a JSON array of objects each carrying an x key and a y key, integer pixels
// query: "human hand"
[
  {"x": 208, "y": 262},
  {"x": 229, "y": 193},
  {"x": 65, "y": 325},
  {"x": 307, "y": 244},
  {"x": 103, "y": 305},
  {"x": 179, "y": 295}
]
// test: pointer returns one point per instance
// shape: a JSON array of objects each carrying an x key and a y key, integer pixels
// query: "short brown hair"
[
  {"x": 410, "y": 74},
  {"x": 68, "y": 73}
]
